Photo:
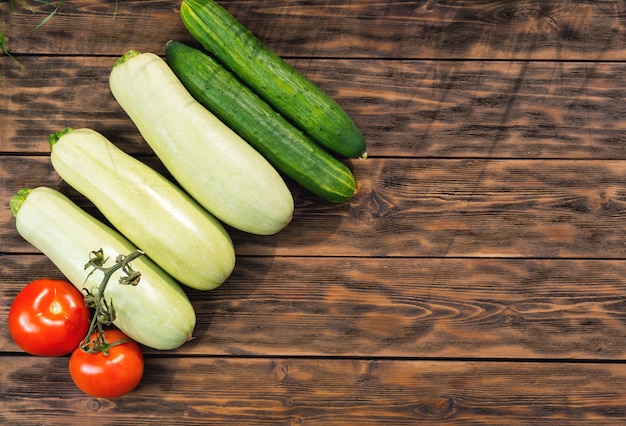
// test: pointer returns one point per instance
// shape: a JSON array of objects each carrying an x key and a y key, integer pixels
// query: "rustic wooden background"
[{"x": 478, "y": 277}]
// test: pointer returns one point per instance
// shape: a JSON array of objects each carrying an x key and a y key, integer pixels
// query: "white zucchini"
[
  {"x": 208, "y": 159},
  {"x": 156, "y": 312},
  {"x": 147, "y": 208}
]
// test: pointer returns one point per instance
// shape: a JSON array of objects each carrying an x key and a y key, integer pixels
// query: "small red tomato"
[
  {"x": 112, "y": 375},
  {"x": 48, "y": 318}
]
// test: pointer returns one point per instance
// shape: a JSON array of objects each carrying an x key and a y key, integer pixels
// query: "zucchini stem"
[
  {"x": 126, "y": 56},
  {"x": 18, "y": 199},
  {"x": 54, "y": 137}
]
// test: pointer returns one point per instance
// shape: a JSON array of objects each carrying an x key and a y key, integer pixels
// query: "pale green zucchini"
[
  {"x": 210, "y": 161},
  {"x": 148, "y": 209},
  {"x": 156, "y": 312}
]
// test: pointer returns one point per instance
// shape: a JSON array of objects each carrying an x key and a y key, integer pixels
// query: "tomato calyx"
[
  {"x": 104, "y": 312},
  {"x": 98, "y": 343}
]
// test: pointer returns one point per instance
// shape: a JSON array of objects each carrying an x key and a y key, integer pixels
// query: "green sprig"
[
  {"x": 56, "y": 5},
  {"x": 5, "y": 51},
  {"x": 51, "y": 14}
]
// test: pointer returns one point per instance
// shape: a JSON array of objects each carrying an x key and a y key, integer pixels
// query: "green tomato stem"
[{"x": 104, "y": 314}]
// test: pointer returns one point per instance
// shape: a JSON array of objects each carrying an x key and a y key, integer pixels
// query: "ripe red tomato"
[
  {"x": 48, "y": 318},
  {"x": 112, "y": 375}
]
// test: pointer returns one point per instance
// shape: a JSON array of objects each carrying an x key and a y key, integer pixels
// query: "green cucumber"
[
  {"x": 273, "y": 79},
  {"x": 219, "y": 169},
  {"x": 148, "y": 209},
  {"x": 156, "y": 312},
  {"x": 287, "y": 148}
]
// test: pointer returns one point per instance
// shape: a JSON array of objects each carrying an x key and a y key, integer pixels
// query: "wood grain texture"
[
  {"x": 371, "y": 307},
  {"x": 485, "y": 29},
  {"x": 426, "y": 208},
  {"x": 289, "y": 391},
  {"x": 477, "y": 277},
  {"x": 436, "y": 109}
]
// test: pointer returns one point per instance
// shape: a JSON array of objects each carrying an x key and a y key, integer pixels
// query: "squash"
[
  {"x": 156, "y": 312},
  {"x": 220, "y": 170},
  {"x": 148, "y": 209}
]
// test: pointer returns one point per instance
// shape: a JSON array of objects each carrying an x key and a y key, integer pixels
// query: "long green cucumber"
[
  {"x": 148, "y": 209},
  {"x": 156, "y": 312},
  {"x": 219, "y": 169},
  {"x": 280, "y": 84},
  {"x": 286, "y": 147}
]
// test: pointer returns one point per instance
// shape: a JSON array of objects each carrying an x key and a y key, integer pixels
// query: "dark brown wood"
[
  {"x": 436, "y": 109},
  {"x": 484, "y": 29},
  {"x": 426, "y": 208},
  {"x": 477, "y": 277},
  {"x": 287, "y": 391},
  {"x": 396, "y": 307}
]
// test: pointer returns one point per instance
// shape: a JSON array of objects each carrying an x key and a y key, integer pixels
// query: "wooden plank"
[
  {"x": 92, "y": 27},
  {"x": 428, "y": 208},
  {"x": 49, "y": 94},
  {"x": 435, "y": 109},
  {"x": 476, "y": 278},
  {"x": 445, "y": 308},
  {"x": 288, "y": 391},
  {"x": 486, "y": 29}
]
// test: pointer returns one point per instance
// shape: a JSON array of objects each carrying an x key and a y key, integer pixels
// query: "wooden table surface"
[{"x": 478, "y": 276}]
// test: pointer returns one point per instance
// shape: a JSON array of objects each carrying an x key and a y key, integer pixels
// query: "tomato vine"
[{"x": 104, "y": 312}]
